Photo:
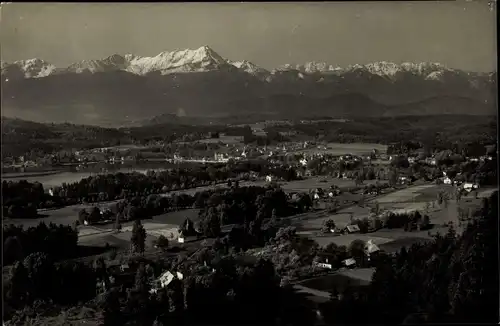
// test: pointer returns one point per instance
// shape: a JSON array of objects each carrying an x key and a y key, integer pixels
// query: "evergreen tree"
[{"x": 138, "y": 238}]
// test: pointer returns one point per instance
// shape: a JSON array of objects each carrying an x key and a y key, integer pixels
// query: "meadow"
[{"x": 348, "y": 148}]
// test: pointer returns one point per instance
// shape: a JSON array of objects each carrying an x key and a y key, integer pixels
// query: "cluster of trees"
[
  {"x": 24, "y": 197},
  {"x": 450, "y": 279},
  {"x": 58, "y": 241},
  {"x": 218, "y": 289},
  {"x": 233, "y": 205},
  {"x": 21, "y": 199},
  {"x": 408, "y": 221},
  {"x": 37, "y": 281},
  {"x": 248, "y": 207}
]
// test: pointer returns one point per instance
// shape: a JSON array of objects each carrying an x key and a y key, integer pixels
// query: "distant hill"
[{"x": 21, "y": 136}]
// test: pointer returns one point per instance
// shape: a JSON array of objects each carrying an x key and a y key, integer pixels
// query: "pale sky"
[{"x": 460, "y": 34}]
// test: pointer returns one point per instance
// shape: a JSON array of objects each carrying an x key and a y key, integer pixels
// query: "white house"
[
  {"x": 349, "y": 262},
  {"x": 166, "y": 278},
  {"x": 323, "y": 265},
  {"x": 371, "y": 248},
  {"x": 470, "y": 186},
  {"x": 447, "y": 181},
  {"x": 269, "y": 178}
]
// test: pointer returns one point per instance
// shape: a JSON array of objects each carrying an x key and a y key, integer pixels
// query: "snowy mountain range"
[
  {"x": 205, "y": 59},
  {"x": 200, "y": 82}
]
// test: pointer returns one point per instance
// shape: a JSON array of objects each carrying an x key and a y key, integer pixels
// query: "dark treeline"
[
  {"x": 438, "y": 132},
  {"x": 58, "y": 241},
  {"x": 21, "y": 199},
  {"x": 21, "y": 137},
  {"x": 37, "y": 284}
]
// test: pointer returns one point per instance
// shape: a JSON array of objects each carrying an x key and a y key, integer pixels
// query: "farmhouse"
[
  {"x": 447, "y": 181},
  {"x": 351, "y": 229},
  {"x": 371, "y": 249},
  {"x": 350, "y": 262},
  {"x": 323, "y": 265},
  {"x": 470, "y": 186},
  {"x": 164, "y": 280}
]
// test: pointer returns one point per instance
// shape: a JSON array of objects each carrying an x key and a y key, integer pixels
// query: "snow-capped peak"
[
  {"x": 312, "y": 67},
  {"x": 111, "y": 63},
  {"x": 248, "y": 67},
  {"x": 199, "y": 60},
  {"x": 383, "y": 68},
  {"x": 34, "y": 68}
]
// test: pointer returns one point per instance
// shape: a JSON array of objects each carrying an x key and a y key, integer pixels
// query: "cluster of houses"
[
  {"x": 466, "y": 186},
  {"x": 370, "y": 250}
]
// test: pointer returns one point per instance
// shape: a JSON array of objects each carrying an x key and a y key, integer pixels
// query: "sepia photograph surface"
[{"x": 301, "y": 163}]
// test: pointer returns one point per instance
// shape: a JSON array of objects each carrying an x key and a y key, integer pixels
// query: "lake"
[{"x": 52, "y": 179}]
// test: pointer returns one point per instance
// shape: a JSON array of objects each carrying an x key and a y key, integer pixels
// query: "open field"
[
  {"x": 340, "y": 279},
  {"x": 125, "y": 147},
  {"x": 64, "y": 215},
  {"x": 353, "y": 148},
  {"x": 363, "y": 275},
  {"x": 319, "y": 182},
  {"x": 22, "y": 175},
  {"x": 345, "y": 240},
  {"x": 397, "y": 244},
  {"x": 165, "y": 224},
  {"x": 405, "y": 195},
  {"x": 121, "y": 240},
  {"x": 55, "y": 179},
  {"x": 390, "y": 239},
  {"x": 178, "y": 217},
  {"x": 224, "y": 139}
]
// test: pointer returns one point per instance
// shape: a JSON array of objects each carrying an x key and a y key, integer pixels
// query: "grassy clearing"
[
  {"x": 319, "y": 182},
  {"x": 176, "y": 218},
  {"x": 363, "y": 275},
  {"x": 404, "y": 195},
  {"x": 341, "y": 279},
  {"x": 354, "y": 148},
  {"x": 398, "y": 244},
  {"x": 224, "y": 139},
  {"x": 345, "y": 240}
]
